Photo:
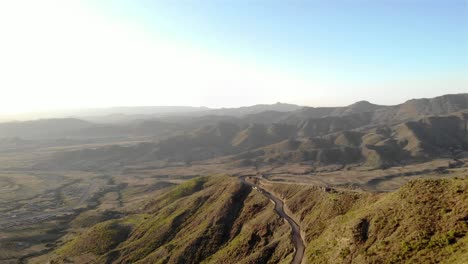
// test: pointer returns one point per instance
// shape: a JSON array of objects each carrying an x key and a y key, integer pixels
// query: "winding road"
[{"x": 295, "y": 229}]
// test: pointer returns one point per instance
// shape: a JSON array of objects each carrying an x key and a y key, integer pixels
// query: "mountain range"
[
  {"x": 277, "y": 183},
  {"x": 362, "y": 133}
]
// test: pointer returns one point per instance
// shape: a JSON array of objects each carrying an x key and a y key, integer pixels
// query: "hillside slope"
[
  {"x": 205, "y": 220},
  {"x": 383, "y": 146},
  {"x": 218, "y": 220},
  {"x": 425, "y": 221},
  {"x": 380, "y": 114},
  {"x": 417, "y": 108}
]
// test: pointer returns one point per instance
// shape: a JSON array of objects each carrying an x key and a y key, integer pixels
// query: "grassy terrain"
[
  {"x": 136, "y": 196},
  {"x": 425, "y": 221},
  {"x": 216, "y": 220},
  {"x": 207, "y": 219}
]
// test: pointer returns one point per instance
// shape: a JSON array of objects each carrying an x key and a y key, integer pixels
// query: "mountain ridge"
[{"x": 339, "y": 226}]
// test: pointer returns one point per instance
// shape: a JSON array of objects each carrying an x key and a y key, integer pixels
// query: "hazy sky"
[{"x": 68, "y": 54}]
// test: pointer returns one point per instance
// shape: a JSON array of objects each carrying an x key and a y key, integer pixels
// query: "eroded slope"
[
  {"x": 425, "y": 221},
  {"x": 205, "y": 220}
]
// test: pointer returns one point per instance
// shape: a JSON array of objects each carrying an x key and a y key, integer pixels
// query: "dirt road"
[{"x": 295, "y": 229}]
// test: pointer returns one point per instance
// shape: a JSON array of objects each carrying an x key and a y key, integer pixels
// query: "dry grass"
[{"x": 425, "y": 221}]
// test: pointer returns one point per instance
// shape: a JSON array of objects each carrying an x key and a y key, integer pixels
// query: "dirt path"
[{"x": 279, "y": 208}]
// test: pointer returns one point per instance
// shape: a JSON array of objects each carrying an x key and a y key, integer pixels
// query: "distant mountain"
[
  {"x": 148, "y": 110},
  {"x": 131, "y": 113},
  {"x": 72, "y": 128},
  {"x": 279, "y": 112},
  {"x": 321, "y": 112},
  {"x": 427, "y": 138},
  {"x": 322, "y": 141},
  {"x": 376, "y": 135},
  {"x": 416, "y": 108},
  {"x": 43, "y": 128},
  {"x": 409, "y": 110},
  {"x": 357, "y": 108},
  {"x": 122, "y": 114},
  {"x": 131, "y": 121},
  {"x": 249, "y": 110}
]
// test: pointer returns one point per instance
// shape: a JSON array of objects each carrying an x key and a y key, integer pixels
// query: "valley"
[
  {"x": 234, "y": 132},
  {"x": 357, "y": 184}
]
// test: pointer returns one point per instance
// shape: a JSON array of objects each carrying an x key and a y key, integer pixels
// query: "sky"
[{"x": 57, "y": 54}]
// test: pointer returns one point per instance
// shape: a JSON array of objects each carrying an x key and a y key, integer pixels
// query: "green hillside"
[
  {"x": 425, "y": 221},
  {"x": 208, "y": 219},
  {"x": 218, "y": 220}
]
